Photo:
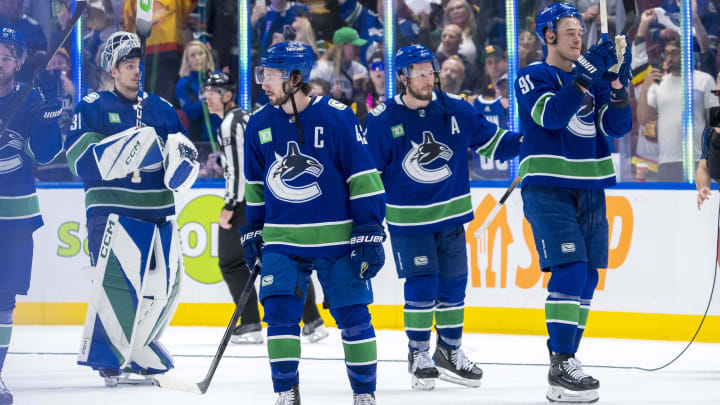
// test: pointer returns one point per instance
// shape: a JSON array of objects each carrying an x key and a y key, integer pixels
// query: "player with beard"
[
  {"x": 33, "y": 136},
  {"x": 568, "y": 104},
  {"x": 419, "y": 140},
  {"x": 314, "y": 202}
]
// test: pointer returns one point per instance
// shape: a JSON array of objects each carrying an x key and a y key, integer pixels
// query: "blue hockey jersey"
[
  {"x": 102, "y": 114},
  {"x": 422, "y": 157},
  {"x": 31, "y": 136},
  {"x": 564, "y": 129},
  {"x": 310, "y": 194},
  {"x": 367, "y": 24}
]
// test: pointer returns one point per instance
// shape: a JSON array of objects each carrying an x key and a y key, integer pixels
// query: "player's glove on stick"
[
  {"x": 367, "y": 256},
  {"x": 591, "y": 65},
  {"x": 49, "y": 105},
  {"x": 252, "y": 242},
  {"x": 621, "y": 70}
]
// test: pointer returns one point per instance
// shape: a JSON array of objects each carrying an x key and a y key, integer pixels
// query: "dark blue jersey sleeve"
[
  {"x": 488, "y": 139},
  {"x": 551, "y": 104},
  {"x": 365, "y": 188},
  {"x": 610, "y": 120},
  {"x": 85, "y": 132}
]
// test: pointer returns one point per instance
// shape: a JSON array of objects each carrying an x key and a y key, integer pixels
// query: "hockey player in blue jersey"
[
  {"x": 419, "y": 140},
  {"x": 32, "y": 135},
  {"x": 129, "y": 172},
  {"x": 314, "y": 202},
  {"x": 568, "y": 104}
]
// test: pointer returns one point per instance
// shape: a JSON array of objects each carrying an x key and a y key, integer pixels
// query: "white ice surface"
[{"x": 41, "y": 370}]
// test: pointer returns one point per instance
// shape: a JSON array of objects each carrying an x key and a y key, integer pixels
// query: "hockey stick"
[
  {"x": 80, "y": 6},
  {"x": 164, "y": 381},
  {"x": 498, "y": 207},
  {"x": 143, "y": 28}
]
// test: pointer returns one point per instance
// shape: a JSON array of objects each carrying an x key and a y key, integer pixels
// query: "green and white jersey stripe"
[
  {"x": 365, "y": 184},
  {"x": 600, "y": 116},
  {"x": 78, "y": 149},
  {"x": 538, "y": 110},
  {"x": 317, "y": 234},
  {"x": 489, "y": 148},
  {"x": 255, "y": 193},
  {"x": 562, "y": 167},
  {"x": 19, "y": 207},
  {"x": 127, "y": 198},
  {"x": 416, "y": 215}
]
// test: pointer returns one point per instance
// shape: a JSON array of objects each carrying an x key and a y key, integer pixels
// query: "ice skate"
[
  {"x": 315, "y": 330},
  {"x": 422, "y": 369},
  {"x": 289, "y": 397},
  {"x": 6, "y": 397},
  {"x": 364, "y": 399},
  {"x": 113, "y": 378},
  {"x": 249, "y": 334},
  {"x": 456, "y": 368},
  {"x": 568, "y": 381}
]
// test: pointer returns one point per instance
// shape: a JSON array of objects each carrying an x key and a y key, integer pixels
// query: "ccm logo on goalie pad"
[
  {"x": 107, "y": 239},
  {"x": 366, "y": 239},
  {"x": 132, "y": 153}
]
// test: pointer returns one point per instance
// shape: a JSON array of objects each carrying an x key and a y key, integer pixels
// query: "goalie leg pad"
[
  {"x": 133, "y": 149},
  {"x": 181, "y": 163},
  {"x": 135, "y": 294}
]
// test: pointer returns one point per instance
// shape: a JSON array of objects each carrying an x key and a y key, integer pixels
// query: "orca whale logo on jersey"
[
  {"x": 582, "y": 123},
  {"x": 11, "y": 144},
  {"x": 421, "y": 155},
  {"x": 290, "y": 167}
]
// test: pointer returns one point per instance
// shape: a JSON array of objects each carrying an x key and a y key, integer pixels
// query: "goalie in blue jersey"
[
  {"x": 31, "y": 136},
  {"x": 314, "y": 202},
  {"x": 570, "y": 105},
  {"x": 130, "y": 173},
  {"x": 419, "y": 140}
]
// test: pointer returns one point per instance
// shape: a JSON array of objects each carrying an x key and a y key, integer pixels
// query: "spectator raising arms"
[{"x": 196, "y": 65}]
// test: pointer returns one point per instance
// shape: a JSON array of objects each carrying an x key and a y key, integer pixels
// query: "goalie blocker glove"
[{"x": 367, "y": 256}]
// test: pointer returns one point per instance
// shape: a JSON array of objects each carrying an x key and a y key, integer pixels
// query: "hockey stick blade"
[
  {"x": 80, "y": 7},
  {"x": 176, "y": 384}
]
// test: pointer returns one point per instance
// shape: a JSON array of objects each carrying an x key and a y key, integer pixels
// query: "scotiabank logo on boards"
[{"x": 484, "y": 260}]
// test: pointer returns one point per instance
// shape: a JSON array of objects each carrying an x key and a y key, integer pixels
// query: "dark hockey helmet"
[
  {"x": 412, "y": 55},
  {"x": 287, "y": 57},
  {"x": 219, "y": 80},
  {"x": 119, "y": 47},
  {"x": 14, "y": 39},
  {"x": 550, "y": 15}
]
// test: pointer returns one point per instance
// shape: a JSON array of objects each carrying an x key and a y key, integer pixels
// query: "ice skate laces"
[
  {"x": 422, "y": 360},
  {"x": 574, "y": 368},
  {"x": 461, "y": 361},
  {"x": 364, "y": 399},
  {"x": 286, "y": 398}
]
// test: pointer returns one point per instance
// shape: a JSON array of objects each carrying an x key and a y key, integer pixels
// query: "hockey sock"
[
  {"x": 282, "y": 314},
  {"x": 585, "y": 299},
  {"x": 7, "y": 306},
  {"x": 450, "y": 311},
  {"x": 358, "y": 338},
  {"x": 562, "y": 306},
  {"x": 420, "y": 298}
]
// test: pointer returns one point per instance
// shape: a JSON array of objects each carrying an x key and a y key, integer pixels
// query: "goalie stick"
[
  {"x": 143, "y": 28},
  {"x": 80, "y": 6},
  {"x": 168, "y": 382}
]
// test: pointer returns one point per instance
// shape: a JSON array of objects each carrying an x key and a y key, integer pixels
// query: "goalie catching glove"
[
  {"x": 181, "y": 163},
  {"x": 368, "y": 255}
]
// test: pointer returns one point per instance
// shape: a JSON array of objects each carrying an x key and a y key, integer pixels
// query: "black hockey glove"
[
  {"x": 48, "y": 84},
  {"x": 368, "y": 255},
  {"x": 591, "y": 65},
  {"x": 252, "y": 242}
]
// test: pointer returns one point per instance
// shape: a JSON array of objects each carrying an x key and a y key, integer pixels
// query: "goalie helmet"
[
  {"x": 15, "y": 41},
  {"x": 550, "y": 15},
  {"x": 119, "y": 47}
]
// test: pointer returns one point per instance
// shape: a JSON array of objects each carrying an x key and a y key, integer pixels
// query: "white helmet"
[{"x": 118, "y": 47}]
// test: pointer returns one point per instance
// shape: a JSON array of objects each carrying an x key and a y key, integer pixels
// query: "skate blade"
[
  {"x": 562, "y": 395},
  {"x": 127, "y": 380},
  {"x": 422, "y": 384},
  {"x": 451, "y": 377},
  {"x": 252, "y": 338}
]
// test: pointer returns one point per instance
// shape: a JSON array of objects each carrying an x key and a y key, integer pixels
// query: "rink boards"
[{"x": 657, "y": 285}]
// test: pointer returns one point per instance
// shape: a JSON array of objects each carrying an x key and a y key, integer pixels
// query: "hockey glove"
[
  {"x": 252, "y": 242},
  {"x": 620, "y": 70},
  {"x": 49, "y": 104},
  {"x": 591, "y": 65},
  {"x": 181, "y": 163},
  {"x": 368, "y": 255}
]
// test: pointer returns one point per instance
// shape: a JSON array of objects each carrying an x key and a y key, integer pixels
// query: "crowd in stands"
[{"x": 467, "y": 36}]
